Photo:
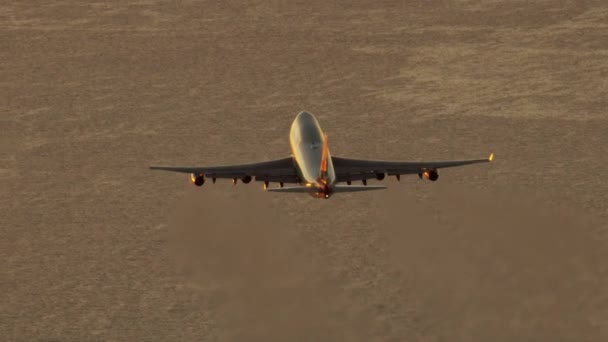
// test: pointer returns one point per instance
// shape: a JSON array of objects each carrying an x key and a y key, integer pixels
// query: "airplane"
[{"x": 313, "y": 169}]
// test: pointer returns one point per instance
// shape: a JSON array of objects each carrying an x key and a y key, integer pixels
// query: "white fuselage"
[{"x": 307, "y": 141}]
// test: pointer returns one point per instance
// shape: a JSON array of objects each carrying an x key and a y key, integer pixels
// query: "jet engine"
[
  {"x": 197, "y": 180},
  {"x": 246, "y": 179},
  {"x": 431, "y": 175},
  {"x": 380, "y": 176}
]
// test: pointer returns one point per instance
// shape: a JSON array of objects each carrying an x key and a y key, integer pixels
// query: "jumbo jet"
[{"x": 313, "y": 169}]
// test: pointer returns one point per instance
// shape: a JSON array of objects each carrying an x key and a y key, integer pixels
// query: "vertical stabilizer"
[{"x": 324, "y": 159}]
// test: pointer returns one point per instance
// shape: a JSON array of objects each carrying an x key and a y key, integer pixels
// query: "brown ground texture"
[{"x": 95, "y": 247}]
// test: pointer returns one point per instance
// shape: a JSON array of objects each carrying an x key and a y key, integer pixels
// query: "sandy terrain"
[{"x": 96, "y": 247}]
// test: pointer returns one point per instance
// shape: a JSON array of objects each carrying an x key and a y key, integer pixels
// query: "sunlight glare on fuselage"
[{"x": 306, "y": 139}]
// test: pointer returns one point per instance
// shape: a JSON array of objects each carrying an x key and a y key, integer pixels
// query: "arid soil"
[{"x": 96, "y": 247}]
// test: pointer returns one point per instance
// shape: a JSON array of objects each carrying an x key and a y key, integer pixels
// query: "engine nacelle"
[
  {"x": 380, "y": 176},
  {"x": 246, "y": 180},
  {"x": 197, "y": 180},
  {"x": 431, "y": 175}
]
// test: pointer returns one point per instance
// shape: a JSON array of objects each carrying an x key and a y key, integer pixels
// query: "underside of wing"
[
  {"x": 280, "y": 170},
  {"x": 361, "y": 169}
]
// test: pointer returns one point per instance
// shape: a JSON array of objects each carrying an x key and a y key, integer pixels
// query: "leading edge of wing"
[{"x": 184, "y": 169}]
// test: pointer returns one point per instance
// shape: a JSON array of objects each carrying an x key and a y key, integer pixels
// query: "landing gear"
[
  {"x": 265, "y": 185},
  {"x": 281, "y": 184}
]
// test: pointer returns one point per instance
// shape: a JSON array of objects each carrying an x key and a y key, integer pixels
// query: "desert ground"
[{"x": 96, "y": 247}]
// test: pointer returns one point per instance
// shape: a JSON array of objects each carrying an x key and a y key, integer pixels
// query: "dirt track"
[{"x": 96, "y": 247}]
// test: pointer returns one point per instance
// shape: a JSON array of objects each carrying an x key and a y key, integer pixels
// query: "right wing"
[
  {"x": 280, "y": 170},
  {"x": 360, "y": 169}
]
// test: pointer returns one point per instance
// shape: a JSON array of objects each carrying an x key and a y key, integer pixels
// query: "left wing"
[
  {"x": 359, "y": 169},
  {"x": 280, "y": 170}
]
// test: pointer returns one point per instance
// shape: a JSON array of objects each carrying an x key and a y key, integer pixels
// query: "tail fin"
[{"x": 324, "y": 158}]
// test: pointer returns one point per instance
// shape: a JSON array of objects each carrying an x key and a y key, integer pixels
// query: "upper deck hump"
[{"x": 306, "y": 128}]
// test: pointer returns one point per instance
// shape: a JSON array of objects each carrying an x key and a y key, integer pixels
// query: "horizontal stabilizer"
[
  {"x": 356, "y": 188},
  {"x": 335, "y": 188},
  {"x": 299, "y": 189}
]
